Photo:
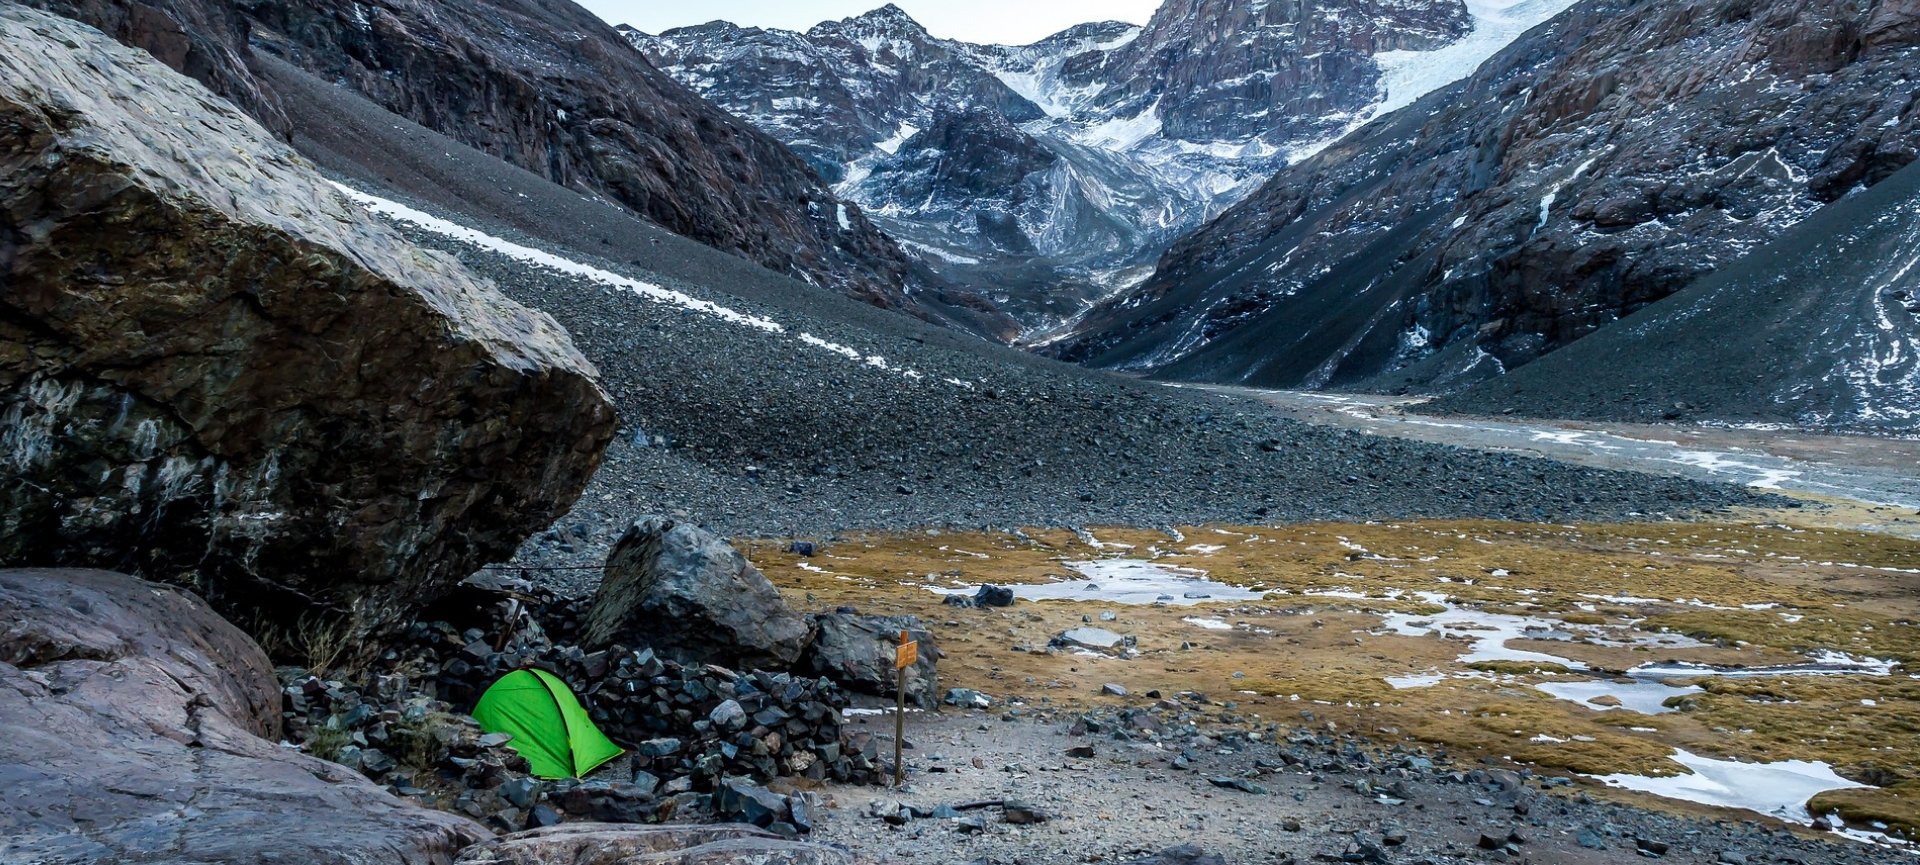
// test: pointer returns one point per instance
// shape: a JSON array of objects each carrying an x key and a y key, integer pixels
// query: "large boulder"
[
  {"x": 858, "y": 652},
  {"x": 690, "y": 595},
  {"x": 132, "y": 719},
  {"x": 606, "y": 844},
  {"x": 216, "y": 369}
]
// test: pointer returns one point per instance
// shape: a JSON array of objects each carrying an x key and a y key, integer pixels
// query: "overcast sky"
[{"x": 1012, "y": 22}]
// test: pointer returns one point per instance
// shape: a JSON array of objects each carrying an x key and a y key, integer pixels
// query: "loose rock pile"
[{"x": 702, "y": 739}]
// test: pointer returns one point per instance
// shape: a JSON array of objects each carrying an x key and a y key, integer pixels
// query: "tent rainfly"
[{"x": 548, "y": 725}]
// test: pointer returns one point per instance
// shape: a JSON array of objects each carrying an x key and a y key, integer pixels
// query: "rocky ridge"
[
  {"x": 1601, "y": 163},
  {"x": 1142, "y": 147}
]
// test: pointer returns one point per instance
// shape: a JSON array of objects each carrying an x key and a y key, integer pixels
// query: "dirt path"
[{"x": 1129, "y": 799}]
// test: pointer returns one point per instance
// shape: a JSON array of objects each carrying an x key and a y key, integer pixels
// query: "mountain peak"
[{"x": 887, "y": 20}]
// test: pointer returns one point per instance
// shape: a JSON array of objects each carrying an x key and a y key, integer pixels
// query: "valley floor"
[
  {"x": 1869, "y": 482},
  {"x": 1583, "y": 652}
]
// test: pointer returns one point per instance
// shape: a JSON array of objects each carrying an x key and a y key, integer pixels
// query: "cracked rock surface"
[{"x": 134, "y": 719}]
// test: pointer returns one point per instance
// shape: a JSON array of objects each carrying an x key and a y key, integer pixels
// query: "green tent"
[{"x": 547, "y": 723}]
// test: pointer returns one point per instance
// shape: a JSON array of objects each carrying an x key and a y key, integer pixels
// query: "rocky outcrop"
[
  {"x": 1601, "y": 163},
  {"x": 689, "y": 594},
  {"x": 605, "y": 844},
  {"x": 216, "y": 370},
  {"x": 1213, "y": 70},
  {"x": 206, "y": 41},
  {"x": 133, "y": 719},
  {"x": 838, "y": 90},
  {"x": 858, "y": 652},
  {"x": 1819, "y": 328}
]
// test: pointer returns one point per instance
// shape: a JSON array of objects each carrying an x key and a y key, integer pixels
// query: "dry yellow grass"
[{"x": 1294, "y": 653}]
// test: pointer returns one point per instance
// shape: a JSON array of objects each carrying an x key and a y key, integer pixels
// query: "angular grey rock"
[
  {"x": 215, "y": 367},
  {"x": 1096, "y": 639},
  {"x": 134, "y": 721},
  {"x": 690, "y": 595},
  {"x": 609, "y": 844},
  {"x": 967, "y": 698},
  {"x": 858, "y": 652}
]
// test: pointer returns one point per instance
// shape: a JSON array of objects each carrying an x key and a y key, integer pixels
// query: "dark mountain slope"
[
  {"x": 1820, "y": 327},
  {"x": 1604, "y": 161},
  {"x": 545, "y": 85}
]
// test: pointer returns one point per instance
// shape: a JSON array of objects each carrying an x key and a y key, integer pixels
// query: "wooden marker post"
[{"x": 906, "y": 656}]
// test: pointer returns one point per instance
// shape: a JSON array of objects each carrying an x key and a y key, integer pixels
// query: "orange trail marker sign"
[{"x": 906, "y": 656}]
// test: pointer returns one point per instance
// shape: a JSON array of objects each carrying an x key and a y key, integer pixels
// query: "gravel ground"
[
  {"x": 757, "y": 434},
  {"x": 1128, "y": 799}
]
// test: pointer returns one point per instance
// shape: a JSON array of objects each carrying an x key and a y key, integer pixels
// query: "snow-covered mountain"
[
  {"x": 1125, "y": 137},
  {"x": 1598, "y": 164}
]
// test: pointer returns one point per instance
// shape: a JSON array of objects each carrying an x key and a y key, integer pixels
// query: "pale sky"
[{"x": 1012, "y": 22}]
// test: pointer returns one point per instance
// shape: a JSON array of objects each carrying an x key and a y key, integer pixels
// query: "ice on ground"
[
  {"x": 1823, "y": 663},
  {"x": 1647, "y": 698},
  {"x": 1778, "y": 790},
  {"x": 1416, "y": 681},
  {"x": 1209, "y": 624},
  {"x": 1133, "y": 582},
  {"x": 1488, "y": 633}
]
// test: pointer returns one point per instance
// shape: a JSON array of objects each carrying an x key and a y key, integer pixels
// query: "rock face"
[
  {"x": 607, "y": 844},
  {"x": 545, "y": 85},
  {"x": 206, "y": 41},
  {"x": 1819, "y": 327},
  {"x": 1147, "y": 132},
  {"x": 216, "y": 370},
  {"x": 690, "y": 595},
  {"x": 1601, "y": 163},
  {"x": 134, "y": 718},
  {"x": 858, "y": 652}
]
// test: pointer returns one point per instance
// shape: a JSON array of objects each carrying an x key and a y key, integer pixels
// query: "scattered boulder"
[
  {"x": 1094, "y": 639},
  {"x": 692, "y": 596},
  {"x": 858, "y": 652},
  {"x": 608, "y": 844},
  {"x": 216, "y": 367},
  {"x": 126, "y": 701},
  {"x": 993, "y": 596}
]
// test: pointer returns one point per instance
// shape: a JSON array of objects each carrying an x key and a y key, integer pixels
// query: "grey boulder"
[
  {"x": 216, "y": 368},
  {"x": 858, "y": 652},
  {"x": 134, "y": 719},
  {"x": 690, "y": 595}
]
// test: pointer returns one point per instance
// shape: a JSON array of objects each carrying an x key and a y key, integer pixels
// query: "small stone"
[
  {"x": 1024, "y": 814},
  {"x": 1648, "y": 845},
  {"x": 728, "y": 715},
  {"x": 1081, "y": 752},
  {"x": 1241, "y": 784},
  {"x": 1113, "y": 690}
]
